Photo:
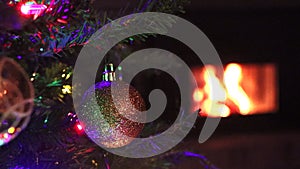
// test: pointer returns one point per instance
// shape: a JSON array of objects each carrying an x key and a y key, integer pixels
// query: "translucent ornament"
[
  {"x": 102, "y": 122},
  {"x": 16, "y": 99}
]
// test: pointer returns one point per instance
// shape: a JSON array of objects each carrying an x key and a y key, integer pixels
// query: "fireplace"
[
  {"x": 256, "y": 91},
  {"x": 244, "y": 89},
  {"x": 261, "y": 129}
]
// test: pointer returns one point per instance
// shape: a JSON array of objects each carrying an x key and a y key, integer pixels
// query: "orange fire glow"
[{"x": 236, "y": 90}]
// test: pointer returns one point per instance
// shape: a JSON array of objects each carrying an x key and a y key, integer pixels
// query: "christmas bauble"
[
  {"x": 16, "y": 99},
  {"x": 102, "y": 122}
]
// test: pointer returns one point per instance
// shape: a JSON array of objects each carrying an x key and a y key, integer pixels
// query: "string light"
[
  {"x": 62, "y": 21},
  {"x": 11, "y": 130},
  {"x": 5, "y": 135},
  {"x": 33, "y": 9},
  {"x": 46, "y": 120},
  {"x": 1, "y": 142},
  {"x": 33, "y": 76},
  {"x": 94, "y": 162},
  {"x": 79, "y": 127},
  {"x": 67, "y": 89}
]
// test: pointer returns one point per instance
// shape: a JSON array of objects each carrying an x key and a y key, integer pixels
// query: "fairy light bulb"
[{"x": 33, "y": 9}]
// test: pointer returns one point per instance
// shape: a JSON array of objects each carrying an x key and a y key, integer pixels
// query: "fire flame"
[
  {"x": 214, "y": 95},
  {"x": 214, "y": 105},
  {"x": 232, "y": 80}
]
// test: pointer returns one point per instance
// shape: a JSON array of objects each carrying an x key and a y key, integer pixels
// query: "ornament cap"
[{"x": 109, "y": 74}]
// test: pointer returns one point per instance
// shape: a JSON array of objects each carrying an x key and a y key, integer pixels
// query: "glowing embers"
[{"x": 239, "y": 89}]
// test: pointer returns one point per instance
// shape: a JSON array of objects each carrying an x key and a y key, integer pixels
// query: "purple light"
[
  {"x": 59, "y": 9},
  {"x": 19, "y": 57},
  {"x": 190, "y": 154}
]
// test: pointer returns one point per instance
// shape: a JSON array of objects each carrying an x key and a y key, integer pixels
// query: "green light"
[{"x": 29, "y": 3}]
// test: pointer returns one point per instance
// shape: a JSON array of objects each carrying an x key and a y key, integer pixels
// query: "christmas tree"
[{"x": 44, "y": 37}]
